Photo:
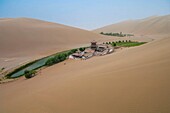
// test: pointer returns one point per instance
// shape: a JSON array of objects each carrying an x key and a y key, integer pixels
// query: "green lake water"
[{"x": 33, "y": 66}]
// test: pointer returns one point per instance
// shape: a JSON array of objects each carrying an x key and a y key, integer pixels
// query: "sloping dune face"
[
  {"x": 24, "y": 36},
  {"x": 148, "y": 26},
  {"x": 134, "y": 80},
  {"x": 23, "y": 40}
]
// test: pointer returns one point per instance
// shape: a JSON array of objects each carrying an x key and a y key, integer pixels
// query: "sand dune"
[
  {"x": 25, "y": 39},
  {"x": 133, "y": 80},
  {"x": 151, "y": 25},
  {"x": 25, "y": 36}
]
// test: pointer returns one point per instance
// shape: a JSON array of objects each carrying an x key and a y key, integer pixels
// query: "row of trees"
[
  {"x": 115, "y": 43},
  {"x": 62, "y": 56},
  {"x": 113, "y": 34},
  {"x": 59, "y": 57},
  {"x": 53, "y": 60},
  {"x": 116, "y": 34}
]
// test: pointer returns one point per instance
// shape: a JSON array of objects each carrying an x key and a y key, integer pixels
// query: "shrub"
[
  {"x": 61, "y": 57},
  {"x": 29, "y": 74},
  {"x": 106, "y": 33},
  {"x": 58, "y": 58},
  {"x": 2, "y": 68},
  {"x": 114, "y": 44},
  {"x": 81, "y": 49},
  {"x": 116, "y": 34},
  {"x": 110, "y": 34},
  {"x": 50, "y": 61},
  {"x": 73, "y": 50}
]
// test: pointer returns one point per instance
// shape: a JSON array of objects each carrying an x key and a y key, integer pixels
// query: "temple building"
[{"x": 94, "y": 50}]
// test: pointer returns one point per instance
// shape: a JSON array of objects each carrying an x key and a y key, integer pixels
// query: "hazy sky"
[{"x": 86, "y": 14}]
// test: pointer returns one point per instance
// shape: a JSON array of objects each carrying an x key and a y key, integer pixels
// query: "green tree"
[
  {"x": 81, "y": 49},
  {"x": 50, "y": 61},
  {"x": 73, "y": 50},
  {"x": 101, "y": 33},
  {"x": 61, "y": 57},
  {"x": 29, "y": 74}
]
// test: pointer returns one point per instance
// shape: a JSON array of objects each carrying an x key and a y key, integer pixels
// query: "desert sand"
[
  {"x": 132, "y": 80},
  {"x": 157, "y": 25},
  {"x": 26, "y": 39}
]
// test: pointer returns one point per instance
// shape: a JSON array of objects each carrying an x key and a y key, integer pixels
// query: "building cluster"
[{"x": 94, "y": 50}]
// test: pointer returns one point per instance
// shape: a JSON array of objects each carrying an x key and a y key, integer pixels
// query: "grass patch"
[
  {"x": 126, "y": 43},
  {"x": 129, "y": 44}
]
